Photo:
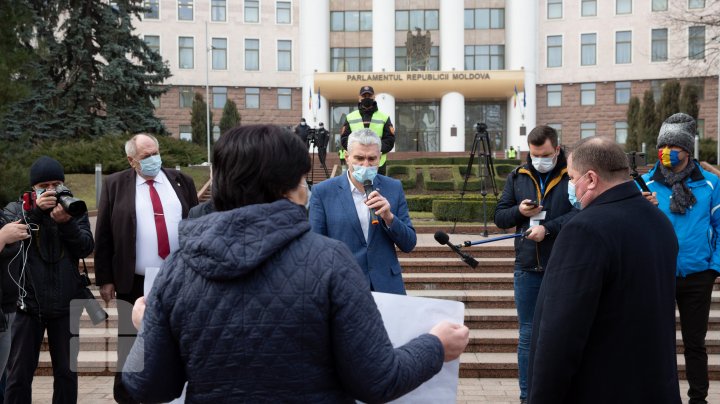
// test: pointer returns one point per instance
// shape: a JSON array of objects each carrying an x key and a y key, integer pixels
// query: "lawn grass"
[{"x": 83, "y": 185}]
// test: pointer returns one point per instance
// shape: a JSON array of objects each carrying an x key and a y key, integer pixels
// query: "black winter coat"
[
  {"x": 254, "y": 307},
  {"x": 9, "y": 269},
  {"x": 52, "y": 276},
  {"x": 550, "y": 190}
]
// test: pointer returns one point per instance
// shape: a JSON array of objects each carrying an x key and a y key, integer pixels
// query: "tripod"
[{"x": 486, "y": 170}]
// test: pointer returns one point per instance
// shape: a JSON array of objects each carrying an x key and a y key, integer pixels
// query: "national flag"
[
  {"x": 319, "y": 101},
  {"x": 310, "y": 99},
  {"x": 524, "y": 97},
  {"x": 515, "y": 97}
]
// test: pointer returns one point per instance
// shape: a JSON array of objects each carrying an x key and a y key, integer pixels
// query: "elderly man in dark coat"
[{"x": 604, "y": 326}]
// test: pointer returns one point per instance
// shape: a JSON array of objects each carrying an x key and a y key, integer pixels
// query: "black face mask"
[{"x": 367, "y": 103}]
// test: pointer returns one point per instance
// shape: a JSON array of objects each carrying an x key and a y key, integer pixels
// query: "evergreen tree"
[
  {"x": 83, "y": 83},
  {"x": 649, "y": 124},
  {"x": 669, "y": 101},
  {"x": 634, "y": 125},
  {"x": 230, "y": 117},
  {"x": 16, "y": 20},
  {"x": 198, "y": 120},
  {"x": 689, "y": 100}
]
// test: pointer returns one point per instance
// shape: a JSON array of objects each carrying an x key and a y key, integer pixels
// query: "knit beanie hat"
[
  {"x": 678, "y": 130},
  {"x": 46, "y": 169}
]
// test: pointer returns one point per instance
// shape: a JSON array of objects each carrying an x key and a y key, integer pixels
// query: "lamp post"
[{"x": 207, "y": 89}]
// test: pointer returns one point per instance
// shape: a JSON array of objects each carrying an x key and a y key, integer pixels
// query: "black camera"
[
  {"x": 91, "y": 305},
  {"x": 73, "y": 206}
]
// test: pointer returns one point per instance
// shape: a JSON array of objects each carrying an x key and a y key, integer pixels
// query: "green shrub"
[
  {"x": 465, "y": 211},
  {"x": 436, "y": 185},
  {"x": 502, "y": 170},
  {"x": 407, "y": 174},
  {"x": 708, "y": 150},
  {"x": 424, "y": 203}
]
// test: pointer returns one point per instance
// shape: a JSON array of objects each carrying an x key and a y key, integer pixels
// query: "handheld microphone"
[
  {"x": 368, "y": 189},
  {"x": 442, "y": 238}
]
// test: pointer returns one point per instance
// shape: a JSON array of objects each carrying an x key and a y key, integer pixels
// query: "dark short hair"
[
  {"x": 604, "y": 156},
  {"x": 540, "y": 134},
  {"x": 256, "y": 164}
]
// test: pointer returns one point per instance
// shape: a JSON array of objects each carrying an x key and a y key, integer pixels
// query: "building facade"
[{"x": 438, "y": 66}]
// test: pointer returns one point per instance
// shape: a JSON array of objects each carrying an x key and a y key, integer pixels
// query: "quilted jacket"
[{"x": 254, "y": 307}]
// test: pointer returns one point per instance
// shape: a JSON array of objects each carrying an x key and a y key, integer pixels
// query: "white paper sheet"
[{"x": 405, "y": 318}]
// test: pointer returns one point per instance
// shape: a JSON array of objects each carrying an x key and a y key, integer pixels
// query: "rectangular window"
[
  {"x": 185, "y": 10},
  {"x": 656, "y": 87},
  {"x": 186, "y": 97},
  {"x": 284, "y": 55},
  {"x": 554, "y": 51},
  {"x": 350, "y": 59},
  {"x": 186, "y": 52},
  {"x": 696, "y": 43},
  {"x": 155, "y": 102},
  {"x": 485, "y": 18},
  {"x": 252, "y": 98},
  {"x": 153, "y": 42},
  {"x": 589, "y": 8},
  {"x": 558, "y": 129},
  {"x": 699, "y": 83},
  {"x": 408, "y": 20},
  {"x": 284, "y": 99},
  {"x": 350, "y": 21},
  {"x": 554, "y": 9},
  {"x": 622, "y": 92},
  {"x": 218, "y": 10},
  {"x": 623, "y": 6},
  {"x": 623, "y": 47},
  {"x": 659, "y": 5},
  {"x": 587, "y": 94},
  {"x": 283, "y": 12},
  {"x": 219, "y": 97},
  {"x": 252, "y": 54},
  {"x": 219, "y": 53},
  {"x": 186, "y": 133},
  {"x": 696, "y": 4},
  {"x": 659, "y": 52},
  {"x": 554, "y": 95},
  {"x": 588, "y": 49},
  {"x": 587, "y": 129},
  {"x": 621, "y": 129},
  {"x": 153, "y": 10},
  {"x": 701, "y": 128},
  {"x": 484, "y": 57},
  {"x": 252, "y": 11}
]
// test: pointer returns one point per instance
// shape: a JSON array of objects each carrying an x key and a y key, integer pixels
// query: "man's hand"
[
  {"x": 47, "y": 200},
  {"x": 527, "y": 209},
  {"x": 381, "y": 206},
  {"x": 454, "y": 338},
  {"x": 537, "y": 233},
  {"x": 59, "y": 215},
  {"x": 138, "y": 312},
  {"x": 107, "y": 292},
  {"x": 652, "y": 197},
  {"x": 13, "y": 232}
]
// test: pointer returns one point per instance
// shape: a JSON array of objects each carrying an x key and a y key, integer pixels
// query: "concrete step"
[
  {"x": 458, "y": 281},
  {"x": 489, "y": 251},
  {"x": 473, "y": 299},
  {"x": 455, "y": 265}
]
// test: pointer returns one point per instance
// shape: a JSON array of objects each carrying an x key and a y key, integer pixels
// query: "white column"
[
  {"x": 452, "y": 57},
  {"x": 313, "y": 55},
  {"x": 383, "y": 36},
  {"x": 452, "y": 114},
  {"x": 521, "y": 52},
  {"x": 386, "y": 104}
]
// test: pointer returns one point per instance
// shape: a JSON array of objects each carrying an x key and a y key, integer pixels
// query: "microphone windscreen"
[{"x": 441, "y": 237}]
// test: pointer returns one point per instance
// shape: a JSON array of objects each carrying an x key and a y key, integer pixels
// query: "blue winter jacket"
[
  {"x": 697, "y": 230},
  {"x": 254, "y": 307}
]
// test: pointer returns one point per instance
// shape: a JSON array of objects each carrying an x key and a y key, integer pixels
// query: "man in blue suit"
[{"x": 340, "y": 209}]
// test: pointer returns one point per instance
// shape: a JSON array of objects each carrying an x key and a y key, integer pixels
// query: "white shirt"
[
  {"x": 146, "y": 246},
  {"x": 362, "y": 210}
]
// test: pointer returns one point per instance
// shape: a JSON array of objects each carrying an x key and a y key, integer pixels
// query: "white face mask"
[{"x": 543, "y": 164}]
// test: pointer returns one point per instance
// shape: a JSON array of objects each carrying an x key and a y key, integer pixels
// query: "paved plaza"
[{"x": 98, "y": 390}]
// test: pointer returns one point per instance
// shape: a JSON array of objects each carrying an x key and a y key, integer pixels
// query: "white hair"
[
  {"x": 130, "y": 145},
  {"x": 364, "y": 137}
]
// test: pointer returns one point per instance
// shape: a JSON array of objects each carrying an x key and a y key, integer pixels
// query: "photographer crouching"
[{"x": 59, "y": 236}]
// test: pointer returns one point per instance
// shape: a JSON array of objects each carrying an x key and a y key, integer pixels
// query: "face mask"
[
  {"x": 543, "y": 164},
  {"x": 367, "y": 103},
  {"x": 302, "y": 123},
  {"x": 571, "y": 194},
  {"x": 150, "y": 166},
  {"x": 669, "y": 158},
  {"x": 362, "y": 173}
]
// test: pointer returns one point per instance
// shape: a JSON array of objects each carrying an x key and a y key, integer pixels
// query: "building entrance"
[{"x": 417, "y": 127}]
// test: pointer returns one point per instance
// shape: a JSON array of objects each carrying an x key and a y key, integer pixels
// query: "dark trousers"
[
  {"x": 27, "y": 335},
  {"x": 126, "y": 335},
  {"x": 693, "y": 294}
]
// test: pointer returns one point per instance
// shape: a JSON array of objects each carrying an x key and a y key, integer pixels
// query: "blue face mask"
[
  {"x": 572, "y": 197},
  {"x": 150, "y": 166},
  {"x": 362, "y": 173}
]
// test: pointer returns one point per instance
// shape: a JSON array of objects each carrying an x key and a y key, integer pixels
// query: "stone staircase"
[{"x": 428, "y": 271}]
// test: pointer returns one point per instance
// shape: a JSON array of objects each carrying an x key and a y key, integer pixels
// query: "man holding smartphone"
[{"x": 534, "y": 201}]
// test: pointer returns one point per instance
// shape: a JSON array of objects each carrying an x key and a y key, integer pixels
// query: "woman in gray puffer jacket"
[{"x": 254, "y": 307}]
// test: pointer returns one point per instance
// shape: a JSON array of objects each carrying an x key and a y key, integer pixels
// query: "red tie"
[{"x": 160, "y": 228}]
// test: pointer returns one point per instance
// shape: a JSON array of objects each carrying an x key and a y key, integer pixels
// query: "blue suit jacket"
[{"x": 333, "y": 214}]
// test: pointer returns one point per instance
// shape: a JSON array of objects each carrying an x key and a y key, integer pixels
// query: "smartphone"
[{"x": 532, "y": 203}]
